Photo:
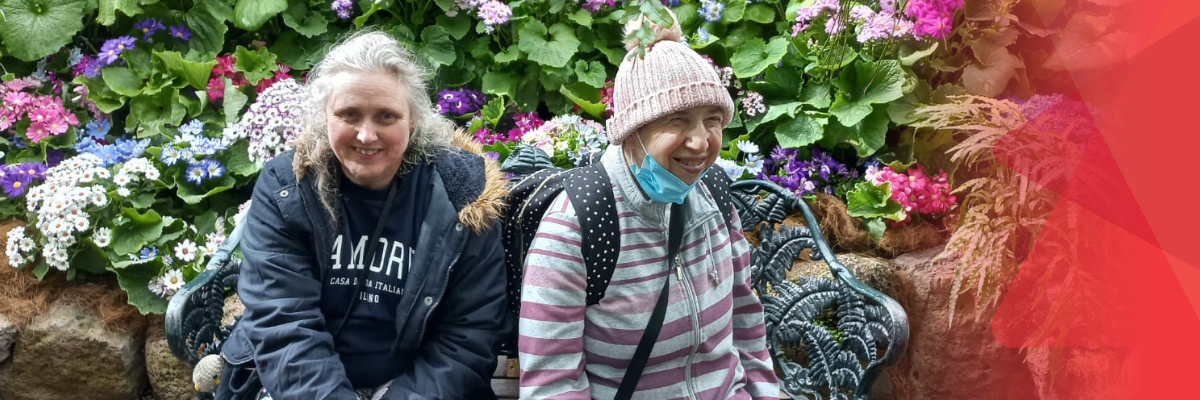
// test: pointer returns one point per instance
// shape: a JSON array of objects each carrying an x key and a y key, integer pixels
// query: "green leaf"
[
  {"x": 309, "y": 24},
  {"x": 436, "y": 46},
  {"x": 581, "y": 17},
  {"x": 614, "y": 56},
  {"x": 556, "y": 51},
  {"x": 760, "y": 13},
  {"x": 194, "y": 73},
  {"x": 239, "y": 162},
  {"x": 234, "y": 101},
  {"x": 657, "y": 13},
  {"x": 506, "y": 57},
  {"x": 33, "y": 29},
  {"x": 592, "y": 74},
  {"x": 139, "y": 229},
  {"x": 133, "y": 280},
  {"x": 991, "y": 74},
  {"x": 108, "y": 10},
  {"x": 500, "y": 83},
  {"x": 493, "y": 110},
  {"x": 445, "y": 5},
  {"x": 867, "y": 200},
  {"x": 910, "y": 53},
  {"x": 868, "y": 135},
  {"x": 585, "y": 96},
  {"x": 122, "y": 81},
  {"x": 251, "y": 14},
  {"x": 207, "y": 22},
  {"x": 734, "y": 11},
  {"x": 191, "y": 194},
  {"x": 876, "y": 227},
  {"x": 255, "y": 65},
  {"x": 864, "y": 84},
  {"x": 754, "y": 56},
  {"x": 142, "y": 200},
  {"x": 150, "y": 113},
  {"x": 801, "y": 131},
  {"x": 41, "y": 270},
  {"x": 773, "y": 113},
  {"x": 816, "y": 95},
  {"x": 457, "y": 26}
]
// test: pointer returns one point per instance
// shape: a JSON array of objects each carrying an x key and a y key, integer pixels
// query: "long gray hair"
[{"x": 363, "y": 52}]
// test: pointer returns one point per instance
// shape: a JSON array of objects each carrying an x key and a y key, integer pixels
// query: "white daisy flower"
[
  {"x": 173, "y": 280},
  {"x": 102, "y": 237},
  {"x": 185, "y": 251}
]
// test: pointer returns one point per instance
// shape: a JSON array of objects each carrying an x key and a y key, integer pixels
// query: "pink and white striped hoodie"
[{"x": 713, "y": 341}]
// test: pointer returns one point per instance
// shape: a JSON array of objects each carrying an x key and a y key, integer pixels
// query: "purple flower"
[
  {"x": 149, "y": 27},
  {"x": 181, "y": 32},
  {"x": 15, "y": 185},
  {"x": 494, "y": 13},
  {"x": 492, "y": 155},
  {"x": 459, "y": 102},
  {"x": 113, "y": 48},
  {"x": 33, "y": 170},
  {"x": 342, "y": 8}
]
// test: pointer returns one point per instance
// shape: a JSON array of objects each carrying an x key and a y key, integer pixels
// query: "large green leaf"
[
  {"x": 194, "y": 73},
  {"x": 251, "y": 14},
  {"x": 192, "y": 194},
  {"x": 234, "y": 101},
  {"x": 586, "y": 97},
  {"x": 864, "y": 84},
  {"x": 456, "y": 26},
  {"x": 816, "y": 94},
  {"x": 592, "y": 74},
  {"x": 801, "y": 131},
  {"x": 773, "y": 113},
  {"x": 553, "y": 51},
  {"x": 255, "y": 65},
  {"x": 309, "y": 24},
  {"x": 436, "y": 46},
  {"x": 991, "y": 74},
  {"x": 151, "y": 113},
  {"x": 133, "y": 279},
  {"x": 734, "y": 11},
  {"x": 33, "y": 29},
  {"x": 108, "y": 10},
  {"x": 761, "y": 13},
  {"x": 239, "y": 161},
  {"x": 207, "y": 21},
  {"x": 137, "y": 230},
  {"x": 869, "y": 201},
  {"x": 500, "y": 83},
  {"x": 122, "y": 80},
  {"x": 754, "y": 56},
  {"x": 868, "y": 135}
]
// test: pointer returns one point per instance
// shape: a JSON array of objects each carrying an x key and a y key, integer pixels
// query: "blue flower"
[
  {"x": 213, "y": 168},
  {"x": 196, "y": 173},
  {"x": 98, "y": 128},
  {"x": 193, "y": 127},
  {"x": 148, "y": 253},
  {"x": 711, "y": 10},
  {"x": 169, "y": 156}
]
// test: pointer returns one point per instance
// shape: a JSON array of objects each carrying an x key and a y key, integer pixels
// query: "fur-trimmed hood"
[{"x": 474, "y": 182}]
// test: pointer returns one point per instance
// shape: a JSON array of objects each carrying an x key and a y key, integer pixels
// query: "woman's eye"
[
  {"x": 387, "y": 116},
  {"x": 349, "y": 115}
]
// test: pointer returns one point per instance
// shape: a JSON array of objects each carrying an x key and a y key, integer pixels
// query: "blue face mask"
[{"x": 658, "y": 182}]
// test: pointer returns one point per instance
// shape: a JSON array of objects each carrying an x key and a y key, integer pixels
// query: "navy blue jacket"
[{"x": 449, "y": 322}]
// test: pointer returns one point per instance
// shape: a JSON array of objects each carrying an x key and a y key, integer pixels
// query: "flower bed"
[{"x": 133, "y": 133}]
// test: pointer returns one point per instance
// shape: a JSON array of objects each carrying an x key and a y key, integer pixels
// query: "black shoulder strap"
[
  {"x": 591, "y": 195},
  {"x": 718, "y": 183},
  {"x": 650, "y": 335}
]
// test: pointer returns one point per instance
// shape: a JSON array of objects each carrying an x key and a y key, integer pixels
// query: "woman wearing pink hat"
[{"x": 669, "y": 112}]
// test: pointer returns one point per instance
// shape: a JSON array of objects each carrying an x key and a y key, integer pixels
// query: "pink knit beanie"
[{"x": 672, "y": 77}]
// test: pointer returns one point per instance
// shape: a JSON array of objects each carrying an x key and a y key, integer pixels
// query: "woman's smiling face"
[
  {"x": 685, "y": 143},
  {"x": 369, "y": 127}
]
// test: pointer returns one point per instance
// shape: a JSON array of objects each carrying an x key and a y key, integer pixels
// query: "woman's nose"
[{"x": 366, "y": 133}]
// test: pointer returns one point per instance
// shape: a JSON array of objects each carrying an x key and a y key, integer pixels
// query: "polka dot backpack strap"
[
  {"x": 718, "y": 182},
  {"x": 592, "y": 197}
]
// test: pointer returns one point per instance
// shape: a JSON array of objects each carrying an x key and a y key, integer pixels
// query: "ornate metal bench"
[{"x": 830, "y": 338}]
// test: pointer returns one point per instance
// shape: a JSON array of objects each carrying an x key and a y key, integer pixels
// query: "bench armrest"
[{"x": 194, "y": 314}]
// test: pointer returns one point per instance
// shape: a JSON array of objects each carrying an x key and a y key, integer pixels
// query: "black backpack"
[{"x": 536, "y": 183}]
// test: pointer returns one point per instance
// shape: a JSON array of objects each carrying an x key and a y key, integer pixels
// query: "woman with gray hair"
[{"x": 373, "y": 266}]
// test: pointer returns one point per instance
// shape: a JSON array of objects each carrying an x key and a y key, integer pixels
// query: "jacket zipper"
[
  {"x": 689, "y": 298},
  {"x": 445, "y": 285}
]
